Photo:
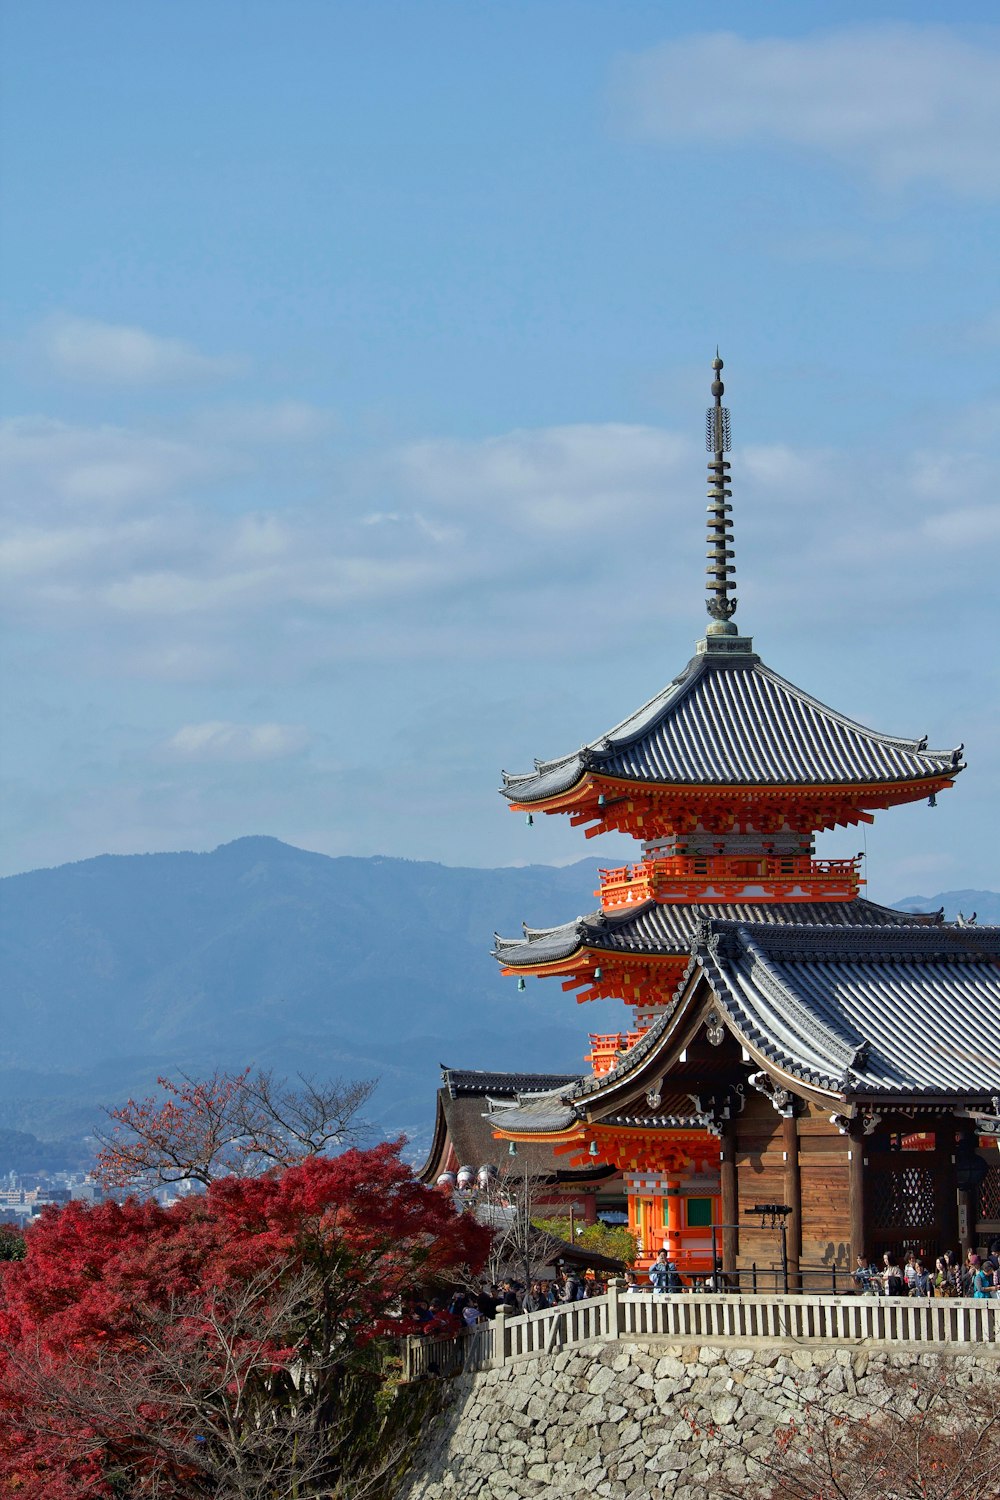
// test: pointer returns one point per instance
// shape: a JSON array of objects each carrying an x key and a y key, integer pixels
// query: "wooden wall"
[
  {"x": 762, "y": 1178},
  {"x": 826, "y": 1218}
]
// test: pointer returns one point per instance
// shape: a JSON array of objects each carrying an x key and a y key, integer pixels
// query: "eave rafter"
[
  {"x": 601, "y": 975},
  {"x": 608, "y": 804},
  {"x": 638, "y": 1149},
  {"x": 627, "y": 1148}
]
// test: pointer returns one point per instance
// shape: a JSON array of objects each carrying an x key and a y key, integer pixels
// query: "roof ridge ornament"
[{"x": 721, "y": 604}]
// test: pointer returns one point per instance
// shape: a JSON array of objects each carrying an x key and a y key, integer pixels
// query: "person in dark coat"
[{"x": 486, "y": 1303}]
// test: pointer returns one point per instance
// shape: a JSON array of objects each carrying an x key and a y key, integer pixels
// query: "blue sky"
[{"x": 357, "y": 358}]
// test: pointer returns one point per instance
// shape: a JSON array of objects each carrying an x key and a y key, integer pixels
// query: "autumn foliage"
[
  {"x": 172, "y": 1352},
  {"x": 229, "y": 1124}
]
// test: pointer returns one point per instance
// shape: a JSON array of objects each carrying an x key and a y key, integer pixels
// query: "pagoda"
[{"x": 725, "y": 776}]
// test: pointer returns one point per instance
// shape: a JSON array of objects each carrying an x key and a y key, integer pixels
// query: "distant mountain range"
[
  {"x": 983, "y": 905},
  {"x": 119, "y": 968}
]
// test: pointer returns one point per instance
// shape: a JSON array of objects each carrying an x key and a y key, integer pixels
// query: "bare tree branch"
[
  {"x": 208, "y": 1402},
  {"x": 239, "y": 1124},
  {"x": 934, "y": 1438}
]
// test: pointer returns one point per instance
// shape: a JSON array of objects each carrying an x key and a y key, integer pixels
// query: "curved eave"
[
  {"x": 532, "y": 1137},
  {"x": 669, "y": 1037},
  {"x": 547, "y": 951},
  {"x": 815, "y": 1014},
  {"x": 543, "y": 1127},
  {"x": 434, "y": 1163},
  {"x": 584, "y": 955},
  {"x": 589, "y": 941},
  {"x": 591, "y": 785},
  {"x": 729, "y": 719}
]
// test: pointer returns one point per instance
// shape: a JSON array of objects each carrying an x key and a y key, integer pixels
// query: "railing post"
[
  {"x": 501, "y": 1347},
  {"x": 614, "y": 1306}
]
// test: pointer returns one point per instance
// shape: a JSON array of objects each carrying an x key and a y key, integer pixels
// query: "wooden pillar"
[
  {"x": 946, "y": 1192},
  {"x": 856, "y": 1190},
  {"x": 590, "y": 1208},
  {"x": 675, "y": 1225},
  {"x": 793, "y": 1197},
  {"x": 730, "y": 1197},
  {"x": 968, "y": 1198}
]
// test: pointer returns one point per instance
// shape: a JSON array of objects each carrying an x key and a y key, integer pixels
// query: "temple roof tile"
[
  {"x": 729, "y": 720},
  {"x": 864, "y": 1011},
  {"x": 667, "y": 928}
]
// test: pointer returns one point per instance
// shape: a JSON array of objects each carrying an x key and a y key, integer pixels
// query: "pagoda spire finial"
[{"x": 721, "y": 570}]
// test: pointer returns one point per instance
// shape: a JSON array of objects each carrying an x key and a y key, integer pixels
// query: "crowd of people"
[
  {"x": 912, "y": 1276},
  {"x": 441, "y": 1317},
  {"x": 978, "y": 1276}
]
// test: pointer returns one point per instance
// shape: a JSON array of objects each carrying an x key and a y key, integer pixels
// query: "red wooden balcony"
[
  {"x": 722, "y": 877},
  {"x": 606, "y": 1048}
]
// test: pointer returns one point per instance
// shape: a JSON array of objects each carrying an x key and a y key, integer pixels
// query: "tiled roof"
[
  {"x": 905, "y": 1011},
  {"x": 469, "y": 1083},
  {"x": 535, "y": 1117},
  {"x": 667, "y": 928},
  {"x": 655, "y": 1122},
  {"x": 728, "y": 720}
]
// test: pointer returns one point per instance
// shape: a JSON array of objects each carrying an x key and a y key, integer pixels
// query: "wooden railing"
[
  {"x": 620, "y": 1315},
  {"x": 607, "y": 1047},
  {"x": 675, "y": 874}
]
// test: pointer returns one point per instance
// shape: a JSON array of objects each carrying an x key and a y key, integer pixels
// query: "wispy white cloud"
[
  {"x": 266, "y": 422},
  {"x": 49, "y": 464},
  {"x": 454, "y": 549},
  {"x": 897, "y": 103},
  {"x": 219, "y": 740},
  {"x": 558, "y": 478},
  {"x": 85, "y": 349}
]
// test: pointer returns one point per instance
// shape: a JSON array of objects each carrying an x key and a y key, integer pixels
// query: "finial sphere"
[
  {"x": 717, "y": 363},
  {"x": 717, "y": 388}
]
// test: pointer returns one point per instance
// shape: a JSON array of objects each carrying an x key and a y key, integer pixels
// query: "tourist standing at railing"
[
  {"x": 891, "y": 1277},
  {"x": 944, "y": 1281},
  {"x": 965, "y": 1273},
  {"x": 570, "y": 1287},
  {"x": 991, "y": 1263},
  {"x": 659, "y": 1272},
  {"x": 865, "y": 1277},
  {"x": 486, "y": 1303},
  {"x": 508, "y": 1298},
  {"x": 979, "y": 1280},
  {"x": 921, "y": 1282},
  {"x": 664, "y": 1275},
  {"x": 535, "y": 1298},
  {"x": 715, "y": 1281},
  {"x": 441, "y": 1324}
]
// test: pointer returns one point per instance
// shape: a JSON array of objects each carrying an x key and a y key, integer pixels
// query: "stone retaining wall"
[{"x": 627, "y": 1421}]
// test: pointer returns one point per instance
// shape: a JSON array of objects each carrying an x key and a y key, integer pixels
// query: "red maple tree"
[{"x": 188, "y": 1350}]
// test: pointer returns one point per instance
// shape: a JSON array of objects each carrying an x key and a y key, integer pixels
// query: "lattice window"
[
  {"x": 903, "y": 1198},
  {"x": 989, "y": 1195}
]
